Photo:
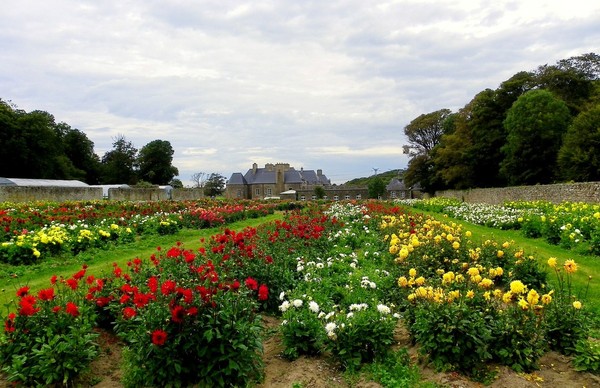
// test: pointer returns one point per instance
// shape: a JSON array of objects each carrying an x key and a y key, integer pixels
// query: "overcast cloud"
[{"x": 320, "y": 84}]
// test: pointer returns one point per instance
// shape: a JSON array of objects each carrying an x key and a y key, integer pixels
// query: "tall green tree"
[
  {"x": 155, "y": 162},
  {"x": 214, "y": 185},
  {"x": 79, "y": 149},
  {"x": 579, "y": 155},
  {"x": 119, "y": 165},
  {"x": 535, "y": 125},
  {"x": 376, "y": 187},
  {"x": 424, "y": 132}
]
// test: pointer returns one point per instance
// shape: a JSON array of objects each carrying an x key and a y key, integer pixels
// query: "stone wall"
[
  {"x": 49, "y": 193},
  {"x": 184, "y": 194},
  {"x": 137, "y": 194},
  {"x": 574, "y": 192}
]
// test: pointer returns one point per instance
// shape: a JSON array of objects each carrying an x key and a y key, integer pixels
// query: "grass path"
[{"x": 101, "y": 261}]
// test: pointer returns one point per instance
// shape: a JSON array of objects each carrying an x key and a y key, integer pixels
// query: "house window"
[
  {"x": 257, "y": 192},
  {"x": 314, "y": 197},
  {"x": 325, "y": 197},
  {"x": 336, "y": 197},
  {"x": 269, "y": 192},
  {"x": 358, "y": 196},
  {"x": 403, "y": 194},
  {"x": 239, "y": 193},
  {"x": 302, "y": 198},
  {"x": 393, "y": 194},
  {"x": 347, "y": 197}
]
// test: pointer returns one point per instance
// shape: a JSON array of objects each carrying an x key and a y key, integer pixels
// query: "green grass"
[
  {"x": 37, "y": 276},
  {"x": 588, "y": 265}
]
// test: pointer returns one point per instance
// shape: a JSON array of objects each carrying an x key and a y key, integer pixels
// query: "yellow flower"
[
  {"x": 411, "y": 297},
  {"x": 455, "y": 245},
  {"x": 570, "y": 266},
  {"x": 412, "y": 272},
  {"x": 448, "y": 277},
  {"x": 507, "y": 297},
  {"x": 486, "y": 283},
  {"x": 403, "y": 253},
  {"x": 552, "y": 262},
  {"x": 546, "y": 299},
  {"x": 533, "y": 297},
  {"x": 517, "y": 287},
  {"x": 394, "y": 249},
  {"x": 450, "y": 237},
  {"x": 486, "y": 295},
  {"x": 498, "y": 293},
  {"x": 470, "y": 294},
  {"x": 577, "y": 304},
  {"x": 402, "y": 282},
  {"x": 473, "y": 271},
  {"x": 523, "y": 304},
  {"x": 500, "y": 254},
  {"x": 499, "y": 271},
  {"x": 468, "y": 233},
  {"x": 505, "y": 245},
  {"x": 420, "y": 281}
]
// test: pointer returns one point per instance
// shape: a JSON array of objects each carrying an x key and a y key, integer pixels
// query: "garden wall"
[
  {"x": 184, "y": 194},
  {"x": 49, "y": 193},
  {"x": 556, "y": 193},
  {"x": 137, "y": 194}
]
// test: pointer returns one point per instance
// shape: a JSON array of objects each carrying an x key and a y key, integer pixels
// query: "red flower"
[
  {"x": 177, "y": 314},
  {"x": 72, "y": 283},
  {"x": 72, "y": 309},
  {"x": 251, "y": 284},
  {"x": 168, "y": 287},
  {"x": 192, "y": 311},
  {"x": 9, "y": 324},
  {"x": 159, "y": 337},
  {"x": 56, "y": 309},
  {"x": 124, "y": 299},
  {"x": 47, "y": 294},
  {"x": 28, "y": 309},
  {"x": 53, "y": 279},
  {"x": 21, "y": 292},
  {"x": 128, "y": 312},
  {"x": 235, "y": 285},
  {"x": 189, "y": 256},
  {"x": 90, "y": 279},
  {"x": 79, "y": 275},
  {"x": 263, "y": 292},
  {"x": 186, "y": 294},
  {"x": 103, "y": 301},
  {"x": 153, "y": 284}
]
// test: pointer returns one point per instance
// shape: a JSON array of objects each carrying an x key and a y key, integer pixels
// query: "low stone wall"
[
  {"x": 49, "y": 193},
  {"x": 137, "y": 194},
  {"x": 574, "y": 192},
  {"x": 184, "y": 194}
]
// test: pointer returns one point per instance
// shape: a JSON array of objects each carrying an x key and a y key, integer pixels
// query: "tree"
[
  {"x": 119, "y": 164},
  {"x": 579, "y": 156},
  {"x": 176, "y": 183},
  {"x": 319, "y": 192},
  {"x": 154, "y": 162},
  {"x": 80, "y": 151},
  {"x": 535, "y": 125},
  {"x": 214, "y": 185},
  {"x": 424, "y": 132},
  {"x": 376, "y": 187},
  {"x": 199, "y": 179}
]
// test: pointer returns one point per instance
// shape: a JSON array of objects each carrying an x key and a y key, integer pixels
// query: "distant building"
[
  {"x": 273, "y": 180},
  {"x": 27, "y": 182},
  {"x": 396, "y": 189}
]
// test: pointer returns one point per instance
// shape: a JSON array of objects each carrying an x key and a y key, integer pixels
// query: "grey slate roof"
[
  {"x": 41, "y": 182},
  {"x": 237, "y": 179},
  {"x": 395, "y": 185}
]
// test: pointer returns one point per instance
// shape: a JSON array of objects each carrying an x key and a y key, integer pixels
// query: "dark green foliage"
[
  {"x": 155, "y": 160},
  {"x": 579, "y": 156},
  {"x": 535, "y": 125}
]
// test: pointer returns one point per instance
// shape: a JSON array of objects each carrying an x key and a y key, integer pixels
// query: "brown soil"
[{"x": 315, "y": 372}]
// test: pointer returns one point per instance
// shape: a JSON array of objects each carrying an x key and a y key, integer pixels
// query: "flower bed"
[{"x": 341, "y": 278}]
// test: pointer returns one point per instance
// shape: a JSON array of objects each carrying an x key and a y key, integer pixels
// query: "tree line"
[
  {"x": 537, "y": 127},
  {"x": 35, "y": 146}
]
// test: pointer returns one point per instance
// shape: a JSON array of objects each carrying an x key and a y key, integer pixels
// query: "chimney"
[{"x": 254, "y": 168}]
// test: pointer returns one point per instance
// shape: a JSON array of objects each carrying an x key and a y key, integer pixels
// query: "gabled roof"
[
  {"x": 395, "y": 184},
  {"x": 237, "y": 179},
  {"x": 41, "y": 182}
]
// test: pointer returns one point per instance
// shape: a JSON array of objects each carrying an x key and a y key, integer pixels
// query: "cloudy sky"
[{"x": 317, "y": 84}]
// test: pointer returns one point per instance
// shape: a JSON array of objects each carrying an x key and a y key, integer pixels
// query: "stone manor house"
[{"x": 280, "y": 180}]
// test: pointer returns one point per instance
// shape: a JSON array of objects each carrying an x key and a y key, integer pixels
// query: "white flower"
[
  {"x": 353, "y": 265},
  {"x": 313, "y": 306},
  {"x": 282, "y": 295},
  {"x": 330, "y": 327},
  {"x": 383, "y": 309},
  {"x": 321, "y": 314},
  {"x": 297, "y": 302},
  {"x": 320, "y": 265},
  {"x": 350, "y": 315},
  {"x": 284, "y": 322},
  {"x": 284, "y": 306}
]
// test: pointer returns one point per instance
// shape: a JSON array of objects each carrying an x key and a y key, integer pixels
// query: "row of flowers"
[
  {"x": 467, "y": 304},
  {"x": 569, "y": 224},
  {"x": 88, "y": 229},
  {"x": 341, "y": 278}
]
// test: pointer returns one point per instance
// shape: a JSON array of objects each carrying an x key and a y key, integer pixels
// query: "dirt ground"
[{"x": 556, "y": 370}]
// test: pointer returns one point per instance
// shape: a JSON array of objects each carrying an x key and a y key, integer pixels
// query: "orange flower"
[{"x": 570, "y": 266}]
